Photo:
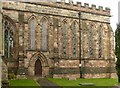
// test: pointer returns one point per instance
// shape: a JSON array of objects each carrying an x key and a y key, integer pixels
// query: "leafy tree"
[{"x": 117, "y": 50}]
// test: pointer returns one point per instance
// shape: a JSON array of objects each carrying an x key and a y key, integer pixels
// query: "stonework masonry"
[{"x": 49, "y": 33}]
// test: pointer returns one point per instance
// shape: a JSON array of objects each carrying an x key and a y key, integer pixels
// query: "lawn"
[
  {"x": 24, "y": 83},
  {"x": 97, "y": 82}
]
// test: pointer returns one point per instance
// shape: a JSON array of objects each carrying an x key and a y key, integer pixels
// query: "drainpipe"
[{"x": 80, "y": 59}]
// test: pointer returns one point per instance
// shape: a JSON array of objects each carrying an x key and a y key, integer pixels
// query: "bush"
[
  {"x": 11, "y": 76},
  {"x": 5, "y": 83},
  {"x": 117, "y": 50}
]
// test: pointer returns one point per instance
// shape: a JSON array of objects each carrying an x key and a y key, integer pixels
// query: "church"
[{"x": 56, "y": 39}]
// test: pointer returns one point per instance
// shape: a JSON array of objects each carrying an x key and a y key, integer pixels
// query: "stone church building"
[{"x": 56, "y": 39}]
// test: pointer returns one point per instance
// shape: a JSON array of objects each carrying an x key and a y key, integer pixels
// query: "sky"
[{"x": 112, "y": 4}]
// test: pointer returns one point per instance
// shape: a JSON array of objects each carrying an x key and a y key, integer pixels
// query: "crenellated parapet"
[
  {"x": 76, "y": 7},
  {"x": 84, "y": 8}
]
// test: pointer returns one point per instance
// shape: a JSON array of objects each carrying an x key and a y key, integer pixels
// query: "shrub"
[
  {"x": 11, "y": 76},
  {"x": 5, "y": 83}
]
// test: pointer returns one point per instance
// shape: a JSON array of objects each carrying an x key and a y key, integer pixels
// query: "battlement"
[
  {"x": 85, "y": 7},
  {"x": 75, "y": 7}
]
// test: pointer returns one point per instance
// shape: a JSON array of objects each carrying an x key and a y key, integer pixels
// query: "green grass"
[
  {"x": 96, "y": 81},
  {"x": 23, "y": 82}
]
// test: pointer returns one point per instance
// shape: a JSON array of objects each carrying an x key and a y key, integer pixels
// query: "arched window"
[
  {"x": 64, "y": 39},
  {"x": 32, "y": 29},
  {"x": 74, "y": 39},
  {"x": 44, "y": 34},
  {"x": 100, "y": 42},
  {"x": 90, "y": 42},
  {"x": 11, "y": 38},
  {"x": 8, "y": 39}
]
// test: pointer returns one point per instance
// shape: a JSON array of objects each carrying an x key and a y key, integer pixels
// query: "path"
[{"x": 45, "y": 83}]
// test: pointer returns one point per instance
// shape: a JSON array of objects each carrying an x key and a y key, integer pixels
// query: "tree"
[{"x": 117, "y": 50}]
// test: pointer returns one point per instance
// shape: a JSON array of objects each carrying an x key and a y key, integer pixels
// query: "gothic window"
[
  {"x": 64, "y": 39},
  {"x": 6, "y": 42},
  {"x": 44, "y": 35},
  {"x": 32, "y": 28},
  {"x": 90, "y": 43},
  {"x": 74, "y": 39},
  {"x": 8, "y": 39},
  {"x": 99, "y": 42},
  {"x": 11, "y": 43}
]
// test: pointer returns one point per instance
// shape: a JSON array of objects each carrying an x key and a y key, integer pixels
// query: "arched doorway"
[
  {"x": 38, "y": 68},
  {"x": 38, "y": 64}
]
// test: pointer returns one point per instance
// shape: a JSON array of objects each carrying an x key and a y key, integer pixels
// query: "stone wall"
[{"x": 62, "y": 53}]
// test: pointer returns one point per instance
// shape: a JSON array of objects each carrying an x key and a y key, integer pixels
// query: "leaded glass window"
[
  {"x": 8, "y": 39},
  {"x": 90, "y": 43},
  {"x": 44, "y": 35},
  {"x": 6, "y": 42},
  {"x": 32, "y": 28},
  {"x": 11, "y": 43},
  {"x": 74, "y": 39},
  {"x": 64, "y": 39},
  {"x": 99, "y": 42}
]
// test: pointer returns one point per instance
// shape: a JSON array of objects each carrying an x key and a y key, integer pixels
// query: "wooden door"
[{"x": 38, "y": 68}]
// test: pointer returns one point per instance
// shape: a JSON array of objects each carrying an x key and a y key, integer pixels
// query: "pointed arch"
[
  {"x": 39, "y": 56},
  {"x": 38, "y": 68},
  {"x": 9, "y": 31},
  {"x": 44, "y": 63},
  {"x": 74, "y": 29},
  {"x": 44, "y": 26},
  {"x": 32, "y": 26}
]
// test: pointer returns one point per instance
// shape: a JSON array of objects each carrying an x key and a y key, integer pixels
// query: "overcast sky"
[{"x": 112, "y": 4}]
